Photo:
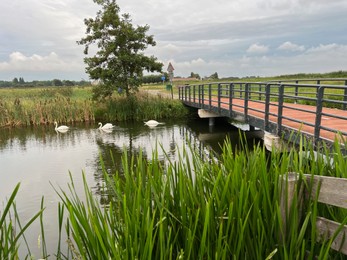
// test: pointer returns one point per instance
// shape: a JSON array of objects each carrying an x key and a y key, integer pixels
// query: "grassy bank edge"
[{"x": 35, "y": 107}]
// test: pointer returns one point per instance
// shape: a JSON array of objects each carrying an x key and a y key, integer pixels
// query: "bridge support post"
[
  {"x": 211, "y": 121},
  {"x": 275, "y": 143},
  {"x": 208, "y": 114}
]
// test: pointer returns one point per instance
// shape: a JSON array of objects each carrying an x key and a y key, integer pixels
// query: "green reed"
[
  {"x": 11, "y": 229},
  {"x": 41, "y": 106},
  {"x": 38, "y": 106},
  {"x": 198, "y": 207},
  {"x": 142, "y": 106}
]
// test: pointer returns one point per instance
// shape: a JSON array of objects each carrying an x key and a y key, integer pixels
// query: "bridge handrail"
[
  {"x": 273, "y": 96},
  {"x": 317, "y": 80}
]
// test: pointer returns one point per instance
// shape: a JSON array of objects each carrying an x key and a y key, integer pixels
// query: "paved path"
[{"x": 162, "y": 93}]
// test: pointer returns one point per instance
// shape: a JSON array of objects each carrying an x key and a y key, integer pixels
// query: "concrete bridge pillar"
[
  {"x": 211, "y": 121},
  {"x": 275, "y": 143},
  {"x": 208, "y": 114}
]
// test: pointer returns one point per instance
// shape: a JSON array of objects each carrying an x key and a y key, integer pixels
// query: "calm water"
[{"x": 41, "y": 160}]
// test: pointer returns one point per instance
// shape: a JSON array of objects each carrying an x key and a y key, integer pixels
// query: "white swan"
[
  {"x": 152, "y": 123},
  {"x": 61, "y": 129},
  {"x": 107, "y": 126}
]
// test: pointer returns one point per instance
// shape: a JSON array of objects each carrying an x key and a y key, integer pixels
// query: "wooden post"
[
  {"x": 289, "y": 190},
  {"x": 331, "y": 191}
]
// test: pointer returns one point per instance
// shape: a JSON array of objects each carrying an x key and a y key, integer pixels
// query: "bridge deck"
[
  {"x": 291, "y": 111},
  {"x": 278, "y": 108}
]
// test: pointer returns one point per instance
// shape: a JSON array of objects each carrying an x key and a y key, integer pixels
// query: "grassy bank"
[
  {"x": 39, "y": 106},
  {"x": 196, "y": 208},
  {"x": 143, "y": 106}
]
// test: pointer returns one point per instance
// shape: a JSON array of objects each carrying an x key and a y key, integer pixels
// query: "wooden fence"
[{"x": 327, "y": 190}]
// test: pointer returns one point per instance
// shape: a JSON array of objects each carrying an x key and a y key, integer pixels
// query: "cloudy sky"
[{"x": 230, "y": 37}]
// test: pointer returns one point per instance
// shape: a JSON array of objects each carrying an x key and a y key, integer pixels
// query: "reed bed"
[
  {"x": 41, "y": 106},
  {"x": 38, "y": 112},
  {"x": 210, "y": 207},
  {"x": 200, "y": 208},
  {"x": 38, "y": 106},
  {"x": 142, "y": 106}
]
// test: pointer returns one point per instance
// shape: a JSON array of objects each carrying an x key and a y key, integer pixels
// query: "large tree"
[{"x": 119, "y": 61}]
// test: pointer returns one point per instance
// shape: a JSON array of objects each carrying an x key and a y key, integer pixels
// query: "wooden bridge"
[{"x": 288, "y": 109}]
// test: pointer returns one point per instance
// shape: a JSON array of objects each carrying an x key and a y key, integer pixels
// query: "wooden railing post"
[{"x": 290, "y": 200}]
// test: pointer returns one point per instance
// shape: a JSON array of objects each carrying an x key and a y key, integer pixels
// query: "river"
[{"x": 42, "y": 160}]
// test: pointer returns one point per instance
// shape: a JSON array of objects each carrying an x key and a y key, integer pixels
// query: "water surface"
[{"x": 43, "y": 160}]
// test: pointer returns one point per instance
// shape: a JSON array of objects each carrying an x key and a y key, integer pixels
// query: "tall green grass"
[
  {"x": 11, "y": 229},
  {"x": 37, "y": 106},
  {"x": 197, "y": 208},
  {"x": 210, "y": 207},
  {"x": 142, "y": 106}
]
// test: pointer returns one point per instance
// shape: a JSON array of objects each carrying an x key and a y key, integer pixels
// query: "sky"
[{"x": 235, "y": 38}]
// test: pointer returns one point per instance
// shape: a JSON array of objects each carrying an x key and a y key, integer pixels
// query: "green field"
[{"x": 43, "y": 105}]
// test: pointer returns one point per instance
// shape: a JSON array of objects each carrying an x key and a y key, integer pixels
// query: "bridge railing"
[{"x": 266, "y": 105}]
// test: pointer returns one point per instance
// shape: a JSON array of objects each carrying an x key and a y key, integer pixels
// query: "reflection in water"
[{"x": 40, "y": 158}]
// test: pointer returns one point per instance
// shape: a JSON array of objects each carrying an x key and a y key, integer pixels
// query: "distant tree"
[
  {"x": 68, "y": 83},
  {"x": 214, "y": 76},
  {"x": 194, "y": 75},
  {"x": 15, "y": 81},
  {"x": 57, "y": 82},
  {"x": 21, "y": 80},
  {"x": 155, "y": 78},
  {"x": 119, "y": 61}
]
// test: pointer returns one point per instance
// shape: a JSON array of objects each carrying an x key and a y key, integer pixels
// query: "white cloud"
[
  {"x": 257, "y": 49},
  {"x": 288, "y": 46},
  {"x": 328, "y": 48},
  {"x": 235, "y": 38},
  {"x": 321, "y": 58},
  {"x": 17, "y": 61}
]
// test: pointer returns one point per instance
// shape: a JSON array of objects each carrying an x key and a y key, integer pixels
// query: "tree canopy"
[{"x": 119, "y": 61}]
